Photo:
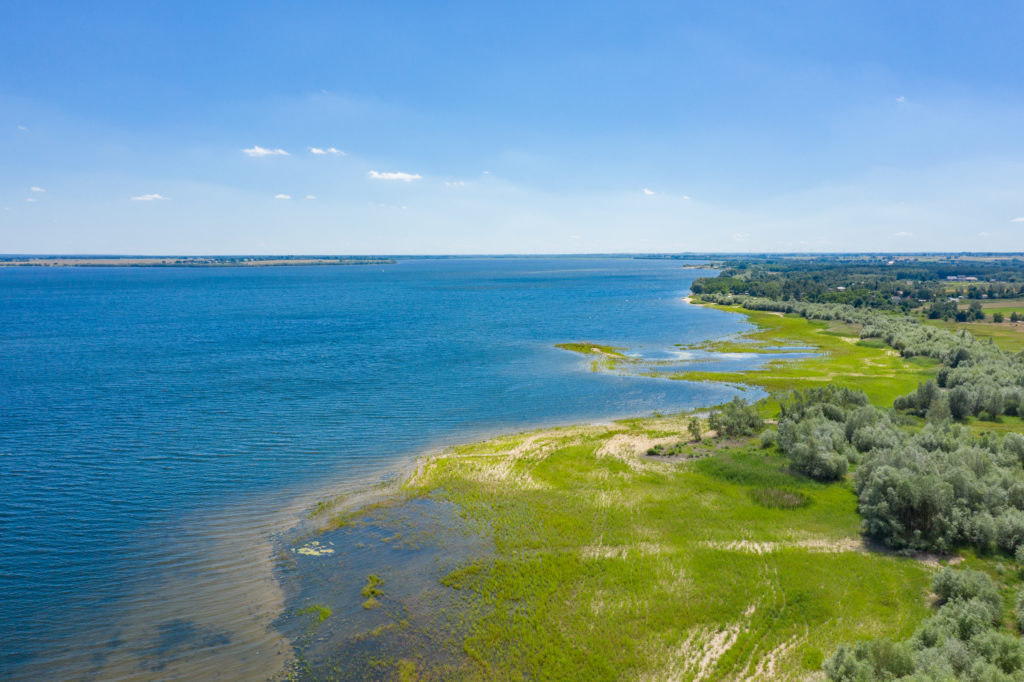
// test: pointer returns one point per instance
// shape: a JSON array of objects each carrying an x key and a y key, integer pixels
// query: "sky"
[{"x": 482, "y": 127}]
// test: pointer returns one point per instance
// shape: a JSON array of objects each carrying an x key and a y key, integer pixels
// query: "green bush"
[{"x": 736, "y": 418}]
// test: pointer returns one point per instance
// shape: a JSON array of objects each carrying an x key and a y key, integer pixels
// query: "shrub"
[
  {"x": 920, "y": 400},
  {"x": 695, "y": 429},
  {"x": 875, "y": 660},
  {"x": 1020, "y": 609},
  {"x": 906, "y": 510},
  {"x": 964, "y": 585},
  {"x": 1010, "y": 530},
  {"x": 667, "y": 450},
  {"x": 736, "y": 418},
  {"x": 1013, "y": 445}
]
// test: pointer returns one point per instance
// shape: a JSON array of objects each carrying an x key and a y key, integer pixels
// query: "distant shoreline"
[{"x": 186, "y": 261}]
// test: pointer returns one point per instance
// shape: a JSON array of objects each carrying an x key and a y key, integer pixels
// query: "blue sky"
[{"x": 523, "y": 128}]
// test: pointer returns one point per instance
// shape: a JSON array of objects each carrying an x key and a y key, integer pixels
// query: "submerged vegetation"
[{"x": 319, "y": 611}]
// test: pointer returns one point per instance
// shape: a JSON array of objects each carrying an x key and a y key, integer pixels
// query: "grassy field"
[
  {"x": 1007, "y": 335},
  {"x": 842, "y": 358},
  {"x": 717, "y": 563},
  {"x": 612, "y": 564}
]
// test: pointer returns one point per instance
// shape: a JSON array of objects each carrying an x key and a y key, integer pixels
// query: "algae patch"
[{"x": 315, "y": 548}]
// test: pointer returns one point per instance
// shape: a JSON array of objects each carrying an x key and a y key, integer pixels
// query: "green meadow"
[
  {"x": 1007, "y": 335},
  {"x": 840, "y": 358},
  {"x": 609, "y": 563}
]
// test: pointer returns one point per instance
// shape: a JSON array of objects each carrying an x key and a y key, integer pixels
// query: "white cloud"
[
  {"x": 454, "y": 183},
  {"x": 149, "y": 197},
  {"x": 984, "y": 233},
  {"x": 741, "y": 236},
  {"x": 1018, "y": 220},
  {"x": 256, "y": 151},
  {"x": 901, "y": 99},
  {"x": 31, "y": 200},
  {"x": 648, "y": 192},
  {"x": 311, "y": 196},
  {"x": 686, "y": 197},
  {"x": 329, "y": 150},
  {"x": 282, "y": 196},
  {"x": 23, "y": 129},
  {"x": 404, "y": 177},
  {"x": 903, "y": 234},
  {"x": 36, "y": 189}
]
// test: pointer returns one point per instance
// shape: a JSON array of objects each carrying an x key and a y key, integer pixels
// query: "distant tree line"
[{"x": 866, "y": 282}]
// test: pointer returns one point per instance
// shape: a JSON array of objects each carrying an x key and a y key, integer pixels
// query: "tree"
[
  {"x": 939, "y": 411},
  {"x": 736, "y": 418},
  {"x": 694, "y": 428},
  {"x": 961, "y": 402},
  {"x": 997, "y": 317}
]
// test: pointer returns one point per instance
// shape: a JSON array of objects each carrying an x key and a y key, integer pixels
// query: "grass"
[
  {"x": 371, "y": 592},
  {"x": 591, "y": 349},
  {"x": 609, "y": 564},
  {"x": 1006, "y": 335},
  {"x": 605, "y": 358},
  {"x": 779, "y": 498},
  {"x": 841, "y": 358}
]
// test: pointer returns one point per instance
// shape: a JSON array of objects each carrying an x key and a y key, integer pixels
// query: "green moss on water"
[
  {"x": 319, "y": 611},
  {"x": 370, "y": 589}
]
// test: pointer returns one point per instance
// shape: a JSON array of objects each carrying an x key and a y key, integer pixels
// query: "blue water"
[{"x": 155, "y": 425}]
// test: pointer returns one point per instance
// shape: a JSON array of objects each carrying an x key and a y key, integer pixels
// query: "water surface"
[{"x": 157, "y": 426}]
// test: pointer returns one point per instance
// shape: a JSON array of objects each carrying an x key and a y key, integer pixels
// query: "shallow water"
[
  {"x": 159, "y": 426},
  {"x": 410, "y": 546}
]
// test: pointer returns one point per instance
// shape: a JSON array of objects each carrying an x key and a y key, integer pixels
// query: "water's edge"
[{"x": 354, "y": 497}]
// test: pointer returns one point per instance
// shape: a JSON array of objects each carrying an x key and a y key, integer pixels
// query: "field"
[
  {"x": 1006, "y": 335},
  {"x": 610, "y": 564}
]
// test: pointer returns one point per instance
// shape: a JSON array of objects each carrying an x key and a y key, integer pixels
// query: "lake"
[{"x": 158, "y": 427}]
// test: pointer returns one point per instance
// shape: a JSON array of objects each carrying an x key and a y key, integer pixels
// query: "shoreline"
[
  {"x": 523, "y": 491},
  {"x": 396, "y": 476}
]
